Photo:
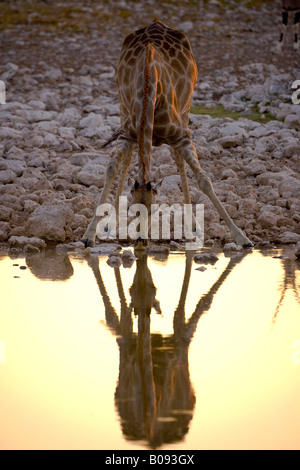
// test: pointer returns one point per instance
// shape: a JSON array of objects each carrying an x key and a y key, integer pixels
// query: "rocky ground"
[{"x": 57, "y": 64}]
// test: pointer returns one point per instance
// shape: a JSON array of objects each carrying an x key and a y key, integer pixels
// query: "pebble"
[{"x": 206, "y": 258}]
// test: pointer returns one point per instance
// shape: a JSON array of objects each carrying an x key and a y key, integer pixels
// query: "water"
[{"x": 159, "y": 355}]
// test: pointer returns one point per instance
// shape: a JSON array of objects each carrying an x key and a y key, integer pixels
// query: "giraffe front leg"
[
  {"x": 284, "y": 23},
  {"x": 296, "y": 31},
  {"x": 123, "y": 152},
  {"x": 186, "y": 191},
  {"x": 123, "y": 172},
  {"x": 188, "y": 152}
]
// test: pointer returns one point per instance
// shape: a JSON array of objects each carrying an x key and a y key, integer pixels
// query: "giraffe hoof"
[
  {"x": 87, "y": 243},
  {"x": 248, "y": 245}
]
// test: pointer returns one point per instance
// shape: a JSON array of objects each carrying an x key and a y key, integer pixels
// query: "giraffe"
[
  {"x": 156, "y": 75},
  {"x": 287, "y": 7}
]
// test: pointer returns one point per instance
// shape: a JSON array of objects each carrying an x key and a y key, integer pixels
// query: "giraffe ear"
[
  {"x": 136, "y": 185},
  {"x": 131, "y": 185},
  {"x": 148, "y": 186},
  {"x": 157, "y": 186}
]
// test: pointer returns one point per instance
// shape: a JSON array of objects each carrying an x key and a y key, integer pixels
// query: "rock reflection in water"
[
  {"x": 50, "y": 266},
  {"x": 154, "y": 395}
]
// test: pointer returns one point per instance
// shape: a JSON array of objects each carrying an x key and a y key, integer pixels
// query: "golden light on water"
[{"x": 237, "y": 365}]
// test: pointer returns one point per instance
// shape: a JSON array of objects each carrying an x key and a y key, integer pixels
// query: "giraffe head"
[{"x": 144, "y": 193}]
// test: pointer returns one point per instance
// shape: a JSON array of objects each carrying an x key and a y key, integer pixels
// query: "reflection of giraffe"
[
  {"x": 289, "y": 282},
  {"x": 154, "y": 395},
  {"x": 156, "y": 75}
]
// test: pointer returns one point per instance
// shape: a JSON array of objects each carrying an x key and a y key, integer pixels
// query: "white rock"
[
  {"x": 69, "y": 117},
  {"x": 93, "y": 126},
  {"x": 67, "y": 133},
  {"x": 39, "y": 115},
  {"x": 186, "y": 26},
  {"x": 22, "y": 241},
  {"x": 232, "y": 247},
  {"x": 290, "y": 237},
  {"x": 292, "y": 121},
  {"x": 106, "y": 248},
  {"x": 7, "y": 176},
  {"x": 50, "y": 222},
  {"x": 54, "y": 74},
  {"x": 92, "y": 174},
  {"x": 231, "y": 141}
]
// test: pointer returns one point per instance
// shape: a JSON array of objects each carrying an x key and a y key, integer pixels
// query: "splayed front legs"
[{"x": 187, "y": 152}]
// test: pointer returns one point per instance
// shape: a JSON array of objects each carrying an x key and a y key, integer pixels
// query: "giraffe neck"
[{"x": 145, "y": 165}]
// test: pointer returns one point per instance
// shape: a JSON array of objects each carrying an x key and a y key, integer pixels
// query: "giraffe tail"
[{"x": 146, "y": 121}]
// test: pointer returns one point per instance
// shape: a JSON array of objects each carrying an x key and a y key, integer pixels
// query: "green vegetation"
[
  {"x": 221, "y": 112},
  {"x": 76, "y": 18}
]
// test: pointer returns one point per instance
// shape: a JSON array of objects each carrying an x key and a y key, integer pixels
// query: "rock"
[
  {"x": 39, "y": 115},
  {"x": 229, "y": 173},
  {"x": 174, "y": 246},
  {"x": 93, "y": 126},
  {"x": 21, "y": 242},
  {"x": 69, "y": 117},
  {"x": 289, "y": 237},
  {"x": 114, "y": 261},
  {"x": 67, "y": 133},
  {"x": 79, "y": 159},
  {"x": 106, "y": 248},
  {"x": 5, "y": 213},
  {"x": 51, "y": 222},
  {"x": 267, "y": 219},
  {"x": 92, "y": 174},
  {"x": 30, "y": 249},
  {"x": 128, "y": 258},
  {"x": 4, "y": 231},
  {"x": 7, "y": 176},
  {"x": 232, "y": 247},
  {"x": 291, "y": 150},
  {"x": 186, "y": 26},
  {"x": 201, "y": 268},
  {"x": 297, "y": 250},
  {"x": 231, "y": 141},
  {"x": 8, "y": 132},
  {"x": 53, "y": 74},
  {"x": 206, "y": 258},
  {"x": 292, "y": 121},
  {"x": 158, "y": 250},
  {"x": 170, "y": 190},
  {"x": 127, "y": 254}
]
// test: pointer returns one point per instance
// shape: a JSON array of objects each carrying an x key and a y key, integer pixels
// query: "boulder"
[
  {"x": 50, "y": 222},
  {"x": 92, "y": 174},
  {"x": 7, "y": 176}
]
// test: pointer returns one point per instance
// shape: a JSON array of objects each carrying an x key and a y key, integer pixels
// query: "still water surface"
[{"x": 156, "y": 355}]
